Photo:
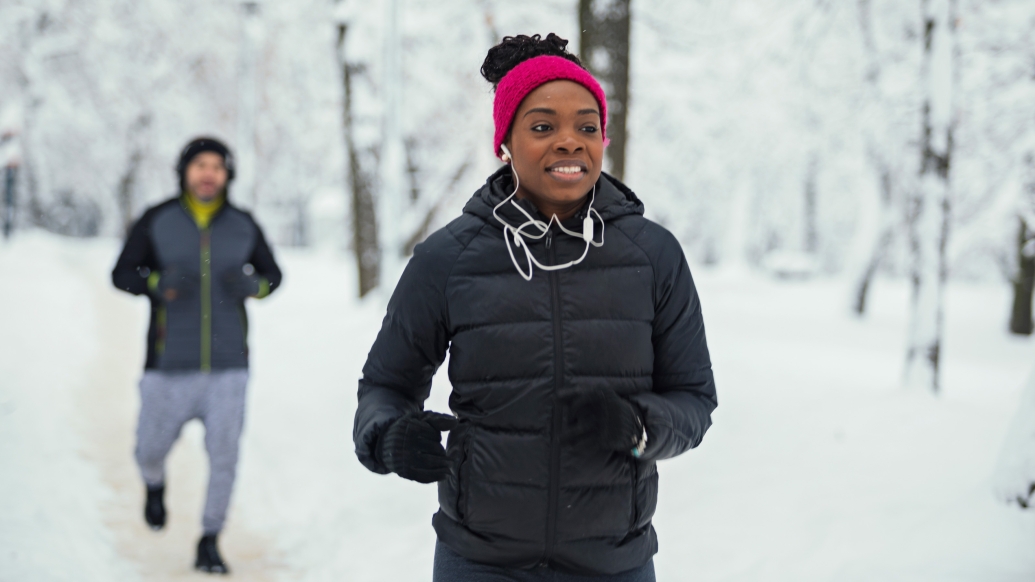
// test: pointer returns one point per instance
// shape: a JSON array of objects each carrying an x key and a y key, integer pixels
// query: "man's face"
[{"x": 206, "y": 175}]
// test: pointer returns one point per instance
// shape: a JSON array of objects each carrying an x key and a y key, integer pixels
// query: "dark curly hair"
[{"x": 514, "y": 50}]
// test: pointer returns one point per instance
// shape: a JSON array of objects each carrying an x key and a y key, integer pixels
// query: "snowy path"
[
  {"x": 819, "y": 467},
  {"x": 110, "y": 403},
  {"x": 100, "y": 370},
  {"x": 52, "y": 498}
]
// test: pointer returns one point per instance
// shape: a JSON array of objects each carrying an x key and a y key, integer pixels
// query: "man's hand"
[
  {"x": 605, "y": 418},
  {"x": 174, "y": 284},
  {"x": 411, "y": 446},
  {"x": 239, "y": 284}
]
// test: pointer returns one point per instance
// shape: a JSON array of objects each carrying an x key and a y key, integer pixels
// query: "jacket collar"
[{"x": 203, "y": 214}]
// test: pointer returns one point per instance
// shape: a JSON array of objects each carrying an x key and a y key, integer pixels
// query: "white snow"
[
  {"x": 52, "y": 498},
  {"x": 1014, "y": 477},
  {"x": 819, "y": 466}
]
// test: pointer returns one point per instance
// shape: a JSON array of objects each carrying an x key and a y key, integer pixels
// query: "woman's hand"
[
  {"x": 605, "y": 418},
  {"x": 411, "y": 446}
]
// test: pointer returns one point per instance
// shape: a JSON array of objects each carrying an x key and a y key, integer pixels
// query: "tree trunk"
[
  {"x": 811, "y": 201},
  {"x": 125, "y": 195},
  {"x": 247, "y": 159},
  {"x": 881, "y": 243},
  {"x": 604, "y": 47},
  {"x": 930, "y": 205},
  {"x": 392, "y": 199},
  {"x": 876, "y": 220},
  {"x": 489, "y": 16},
  {"x": 1023, "y": 283},
  {"x": 30, "y": 163},
  {"x": 10, "y": 179},
  {"x": 300, "y": 226},
  {"x": 364, "y": 219},
  {"x": 421, "y": 231}
]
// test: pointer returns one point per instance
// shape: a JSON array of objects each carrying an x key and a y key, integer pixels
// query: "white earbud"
[{"x": 507, "y": 156}]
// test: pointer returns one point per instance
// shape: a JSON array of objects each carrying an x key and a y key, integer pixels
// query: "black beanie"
[{"x": 204, "y": 144}]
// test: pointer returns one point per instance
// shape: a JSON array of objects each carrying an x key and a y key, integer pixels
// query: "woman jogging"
[{"x": 577, "y": 349}]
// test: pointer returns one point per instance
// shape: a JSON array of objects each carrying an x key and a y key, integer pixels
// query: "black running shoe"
[
  {"x": 154, "y": 507},
  {"x": 209, "y": 559}
]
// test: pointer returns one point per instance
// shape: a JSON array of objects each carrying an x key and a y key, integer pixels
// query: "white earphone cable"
[{"x": 519, "y": 235}]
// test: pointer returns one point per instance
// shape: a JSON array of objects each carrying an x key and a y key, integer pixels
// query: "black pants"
[{"x": 452, "y": 567}]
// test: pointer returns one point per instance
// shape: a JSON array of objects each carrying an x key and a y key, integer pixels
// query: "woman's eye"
[
  {"x": 590, "y": 129},
  {"x": 541, "y": 128}
]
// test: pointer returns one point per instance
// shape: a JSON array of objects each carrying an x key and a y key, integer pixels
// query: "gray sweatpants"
[{"x": 167, "y": 401}]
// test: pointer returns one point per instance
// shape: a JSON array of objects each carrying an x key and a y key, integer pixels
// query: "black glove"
[
  {"x": 176, "y": 284},
  {"x": 240, "y": 285},
  {"x": 604, "y": 417},
  {"x": 411, "y": 446}
]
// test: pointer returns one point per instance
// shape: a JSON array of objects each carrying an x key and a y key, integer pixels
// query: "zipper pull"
[{"x": 549, "y": 238}]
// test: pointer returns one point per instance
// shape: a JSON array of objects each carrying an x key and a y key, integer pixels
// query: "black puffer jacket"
[{"x": 626, "y": 319}]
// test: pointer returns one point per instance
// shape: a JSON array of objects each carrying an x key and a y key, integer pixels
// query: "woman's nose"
[{"x": 567, "y": 143}]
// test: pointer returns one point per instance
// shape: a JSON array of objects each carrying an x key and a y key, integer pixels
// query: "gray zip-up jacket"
[{"x": 206, "y": 329}]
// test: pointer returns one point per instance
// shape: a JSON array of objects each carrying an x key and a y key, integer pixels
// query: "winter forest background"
[{"x": 855, "y": 175}]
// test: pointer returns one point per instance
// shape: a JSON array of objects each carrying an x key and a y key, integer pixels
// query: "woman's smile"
[{"x": 567, "y": 171}]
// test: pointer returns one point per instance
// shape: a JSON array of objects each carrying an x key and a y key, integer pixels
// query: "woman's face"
[{"x": 556, "y": 147}]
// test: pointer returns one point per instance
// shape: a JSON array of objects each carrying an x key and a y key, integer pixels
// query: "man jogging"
[{"x": 197, "y": 257}]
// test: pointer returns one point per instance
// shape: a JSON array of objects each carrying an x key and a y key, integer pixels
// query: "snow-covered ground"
[{"x": 819, "y": 466}]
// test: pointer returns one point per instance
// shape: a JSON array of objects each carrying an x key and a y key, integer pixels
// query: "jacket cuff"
[
  {"x": 152, "y": 281},
  {"x": 264, "y": 288}
]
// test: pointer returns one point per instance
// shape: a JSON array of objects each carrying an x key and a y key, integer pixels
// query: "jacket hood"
[{"x": 613, "y": 199}]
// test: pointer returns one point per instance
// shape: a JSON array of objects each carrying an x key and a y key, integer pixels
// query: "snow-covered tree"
[
  {"x": 112, "y": 89},
  {"x": 361, "y": 160},
  {"x": 883, "y": 118},
  {"x": 443, "y": 125},
  {"x": 930, "y": 204},
  {"x": 754, "y": 127}
]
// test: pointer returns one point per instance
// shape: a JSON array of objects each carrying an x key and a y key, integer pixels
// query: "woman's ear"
[{"x": 506, "y": 157}]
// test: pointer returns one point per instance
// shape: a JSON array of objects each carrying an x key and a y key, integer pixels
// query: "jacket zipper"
[
  {"x": 558, "y": 382},
  {"x": 160, "y": 337},
  {"x": 206, "y": 299}
]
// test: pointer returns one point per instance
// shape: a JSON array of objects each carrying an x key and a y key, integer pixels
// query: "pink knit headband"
[{"x": 526, "y": 77}]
